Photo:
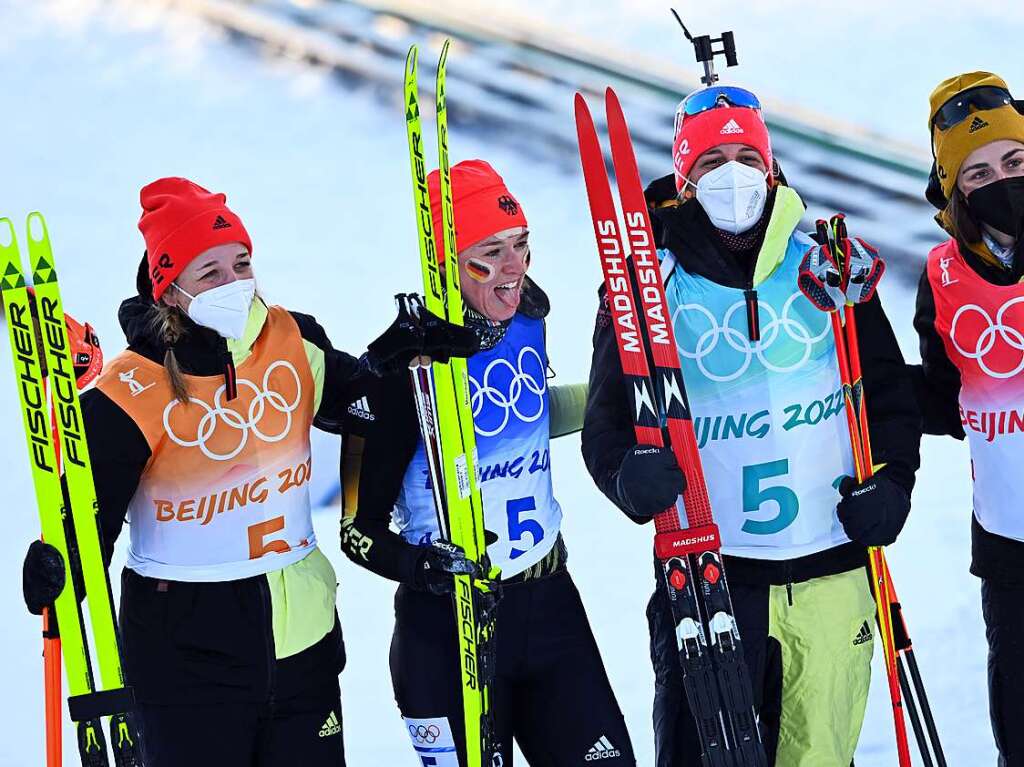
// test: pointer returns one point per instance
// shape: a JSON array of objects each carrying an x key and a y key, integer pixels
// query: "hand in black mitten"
[
  {"x": 42, "y": 576},
  {"x": 873, "y": 512},
  {"x": 649, "y": 481},
  {"x": 417, "y": 332},
  {"x": 438, "y": 563}
]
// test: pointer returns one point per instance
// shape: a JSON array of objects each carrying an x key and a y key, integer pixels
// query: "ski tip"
[
  {"x": 580, "y": 107},
  {"x": 444, "y": 52},
  {"x": 36, "y": 225},
  {"x": 410, "y": 58},
  {"x": 7, "y": 236}
]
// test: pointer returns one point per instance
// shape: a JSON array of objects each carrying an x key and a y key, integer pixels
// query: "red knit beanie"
[
  {"x": 714, "y": 127},
  {"x": 483, "y": 205},
  {"x": 180, "y": 220}
]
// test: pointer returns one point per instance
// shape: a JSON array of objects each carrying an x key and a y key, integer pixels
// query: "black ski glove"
[
  {"x": 874, "y": 511},
  {"x": 438, "y": 563},
  {"x": 42, "y": 576},
  {"x": 417, "y": 332},
  {"x": 649, "y": 481}
]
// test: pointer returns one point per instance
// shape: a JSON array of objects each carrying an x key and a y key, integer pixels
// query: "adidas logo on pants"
[
  {"x": 331, "y": 727},
  {"x": 603, "y": 749}
]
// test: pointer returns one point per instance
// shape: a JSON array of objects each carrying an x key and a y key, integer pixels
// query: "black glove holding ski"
[
  {"x": 438, "y": 563},
  {"x": 416, "y": 332},
  {"x": 649, "y": 481},
  {"x": 42, "y": 576},
  {"x": 873, "y": 512}
]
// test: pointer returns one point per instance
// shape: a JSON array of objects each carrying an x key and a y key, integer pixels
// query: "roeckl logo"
[{"x": 862, "y": 490}]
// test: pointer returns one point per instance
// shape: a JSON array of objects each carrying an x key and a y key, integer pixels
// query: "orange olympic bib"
[{"x": 225, "y": 493}]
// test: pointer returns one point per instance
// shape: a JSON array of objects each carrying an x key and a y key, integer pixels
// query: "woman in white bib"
[{"x": 764, "y": 389}]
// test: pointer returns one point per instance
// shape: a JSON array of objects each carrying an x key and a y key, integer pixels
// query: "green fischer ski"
[
  {"x": 86, "y": 703},
  {"x": 463, "y": 515}
]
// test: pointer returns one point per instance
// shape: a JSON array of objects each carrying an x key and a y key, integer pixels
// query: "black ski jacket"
[
  {"x": 608, "y": 428},
  {"x": 937, "y": 388},
  {"x": 201, "y": 642}
]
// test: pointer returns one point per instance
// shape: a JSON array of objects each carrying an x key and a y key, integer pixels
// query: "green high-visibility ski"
[
  {"x": 88, "y": 702},
  {"x": 446, "y": 421}
]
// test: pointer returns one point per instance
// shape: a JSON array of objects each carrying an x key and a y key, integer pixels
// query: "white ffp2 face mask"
[
  {"x": 733, "y": 195},
  {"x": 224, "y": 308}
]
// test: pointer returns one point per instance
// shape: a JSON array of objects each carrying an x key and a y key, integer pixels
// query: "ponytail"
[{"x": 167, "y": 324}]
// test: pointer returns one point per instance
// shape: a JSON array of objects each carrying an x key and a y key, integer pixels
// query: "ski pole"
[
  {"x": 901, "y": 637},
  {"x": 52, "y": 691},
  {"x": 913, "y": 686},
  {"x": 823, "y": 284}
]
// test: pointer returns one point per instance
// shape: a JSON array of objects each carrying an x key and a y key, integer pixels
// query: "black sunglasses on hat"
[{"x": 960, "y": 106}]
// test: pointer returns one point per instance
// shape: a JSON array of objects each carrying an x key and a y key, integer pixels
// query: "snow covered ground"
[{"x": 103, "y": 97}]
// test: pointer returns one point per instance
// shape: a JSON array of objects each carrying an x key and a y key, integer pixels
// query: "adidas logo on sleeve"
[
  {"x": 603, "y": 749},
  {"x": 361, "y": 409},
  {"x": 331, "y": 727}
]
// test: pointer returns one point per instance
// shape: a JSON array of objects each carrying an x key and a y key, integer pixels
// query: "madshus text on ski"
[{"x": 746, "y": 393}]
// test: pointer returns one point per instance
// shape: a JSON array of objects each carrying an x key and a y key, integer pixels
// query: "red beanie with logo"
[
  {"x": 180, "y": 220},
  {"x": 482, "y": 203},
  {"x": 714, "y": 127}
]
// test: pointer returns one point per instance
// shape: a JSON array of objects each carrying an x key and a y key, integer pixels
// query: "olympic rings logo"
[
  {"x": 522, "y": 384},
  {"x": 219, "y": 414},
  {"x": 424, "y": 733},
  {"x": 986, "y": 341},
  {"x": 771, "y": 331}
]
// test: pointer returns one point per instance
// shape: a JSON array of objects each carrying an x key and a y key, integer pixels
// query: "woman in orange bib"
[{"x": 199, "y": 437}]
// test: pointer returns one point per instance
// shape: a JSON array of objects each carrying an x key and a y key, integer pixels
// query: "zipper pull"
[
  {"x": 789, "y": 593},
  {"x": 753, "y": 319},
  {"x": 230, "y": 380}
]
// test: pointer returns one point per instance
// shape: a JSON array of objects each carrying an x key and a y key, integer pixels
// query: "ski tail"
[{"x": 715, "y": 677}]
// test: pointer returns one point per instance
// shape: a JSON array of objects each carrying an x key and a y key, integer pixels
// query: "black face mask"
[{"x": 1000, "y": 205}]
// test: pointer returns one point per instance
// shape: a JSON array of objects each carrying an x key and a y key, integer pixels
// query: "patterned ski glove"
[
  {"x": 417, "y": 332},
  {"x": 438, "y": 563},
  {"x": 42, "y": 576},
  {"x": 873, "y": 512},
  {"x": 649, "y": 481}
]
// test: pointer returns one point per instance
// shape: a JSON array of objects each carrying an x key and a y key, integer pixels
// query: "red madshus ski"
[{"x": 715, "y": 675}]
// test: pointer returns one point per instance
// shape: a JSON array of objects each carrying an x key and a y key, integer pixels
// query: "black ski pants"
[
  {"x": 1003, "y": 608},
  {"x": 551, "y": 690},
  {"x": 305, "y": 730}
]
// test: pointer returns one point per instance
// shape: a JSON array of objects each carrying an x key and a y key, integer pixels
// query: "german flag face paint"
[
  {"x": 493, "y": 271},
  {"x": 480, "y": 270}
]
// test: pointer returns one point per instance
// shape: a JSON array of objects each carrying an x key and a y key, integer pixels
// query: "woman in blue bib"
[
  {"x": 551, "y": 693},
  {"x": 764, "y": 387}
]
